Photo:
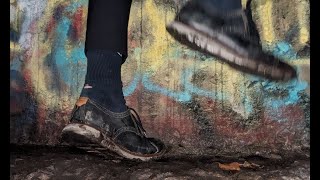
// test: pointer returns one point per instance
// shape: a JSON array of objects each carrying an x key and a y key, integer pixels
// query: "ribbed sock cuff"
[{"x": 103, "y": 67}]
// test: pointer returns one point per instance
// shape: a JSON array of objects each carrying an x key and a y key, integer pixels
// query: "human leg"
[{"x": 100, "y": 118}]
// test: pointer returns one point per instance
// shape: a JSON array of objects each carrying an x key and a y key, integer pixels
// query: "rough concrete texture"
[
  {"x": 63, "y": 163},
  {"x": 189, "y": 100}
]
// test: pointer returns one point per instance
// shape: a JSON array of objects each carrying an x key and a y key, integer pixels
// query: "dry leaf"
[
  {"x": 246, "y": 164},
  {"x": 230, "y": 167}
]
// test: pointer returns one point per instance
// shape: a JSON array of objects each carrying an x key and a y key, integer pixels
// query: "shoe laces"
[{"x": 136, "y": 118}]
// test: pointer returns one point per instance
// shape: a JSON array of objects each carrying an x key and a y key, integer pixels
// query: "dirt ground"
[{"x": 61, "y": 162}]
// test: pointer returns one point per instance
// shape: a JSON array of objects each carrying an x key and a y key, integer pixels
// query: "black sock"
[{"x": 103, "y": 80}]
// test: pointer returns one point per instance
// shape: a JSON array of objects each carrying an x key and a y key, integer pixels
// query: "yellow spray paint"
[
  {"x": 264, "y": 9},
  {"x": 243, "y": 2},
  {"x": 155, "y": 49},
  {"x": 14, "y": 48},
  {"x": 303, "y": 19}
]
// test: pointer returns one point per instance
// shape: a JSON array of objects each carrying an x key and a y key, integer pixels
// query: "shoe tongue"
[{"x": 128, "y": 121}]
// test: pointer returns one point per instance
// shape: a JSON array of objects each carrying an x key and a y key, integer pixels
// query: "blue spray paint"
[
  {"x": 16, "y": 64},
  {"x": 72, "y": 8},
  {"x": 179, "y": 96},
  {"x": 284, "y": 50},
  {"x": 63, "y": 61},
  {"x": 128, "y": 90},
  {"x": 293, "y": 87}
]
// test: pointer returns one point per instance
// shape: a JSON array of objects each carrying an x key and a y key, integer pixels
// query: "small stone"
[
  {"x": 275, "y": 156},
  {"x": 51, "y": 168},
  {"x": 116, "y": 161}
]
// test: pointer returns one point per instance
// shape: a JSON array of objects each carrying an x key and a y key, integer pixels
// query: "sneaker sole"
[
  {"x": 234, "y": 55},
  {"x": 92, "y": 140}
]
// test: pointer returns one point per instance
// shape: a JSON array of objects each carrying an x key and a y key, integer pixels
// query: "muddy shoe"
[
  {"x": 230, "y": 36},
  {"x": 92, "y": 124}
]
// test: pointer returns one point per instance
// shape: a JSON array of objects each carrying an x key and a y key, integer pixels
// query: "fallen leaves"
[
  {"x": 246, "y": 164},
  {"x": 235, "y": 166},
  {"x": 230, "y": 167}
]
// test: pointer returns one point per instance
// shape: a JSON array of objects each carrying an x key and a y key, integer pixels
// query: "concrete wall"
[{"x": 189, "y": 100}]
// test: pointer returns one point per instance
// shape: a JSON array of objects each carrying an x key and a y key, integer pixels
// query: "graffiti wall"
[{"x": 190, "y": 100}]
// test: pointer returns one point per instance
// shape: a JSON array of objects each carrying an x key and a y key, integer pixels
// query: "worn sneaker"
[
  {"x": 230, "y": 36},
  {"x": 92, "y": 125}
]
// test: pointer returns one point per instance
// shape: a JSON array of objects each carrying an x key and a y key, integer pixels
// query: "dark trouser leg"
[
  {"x": 107, "y": 25},
  {"x": 225, "y": 5},
  {"x": 100, "y": 118}
]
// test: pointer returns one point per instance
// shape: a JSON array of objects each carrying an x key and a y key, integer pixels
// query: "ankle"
[
  {"x": 103, "y": 80},
  {"x": 110, "y": 97}
]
